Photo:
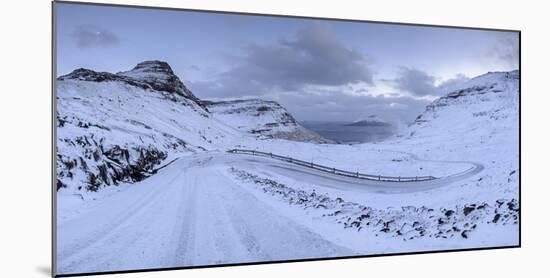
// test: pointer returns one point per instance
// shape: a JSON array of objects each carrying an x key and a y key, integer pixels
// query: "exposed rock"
[
  {"x": 160, "y": 76},
  {"x": 408, "y": 223},
  {"x": 468, "y": 209}
]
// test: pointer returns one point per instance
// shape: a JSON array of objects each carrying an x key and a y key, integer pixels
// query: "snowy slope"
[
  {"x": 476, "y": 122},
  {"x": 485, "y": 104},
  {"x": 114, "y": 128},
  {"x": 266, "y": 119}
]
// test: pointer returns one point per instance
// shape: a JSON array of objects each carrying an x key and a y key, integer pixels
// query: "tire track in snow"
[
  {"x": 188, "y": 214},
  {"x": 80, "y": 245},
  {"x": 248, "y": 241},
  {"x": 276, "y": 236},
  {"x": 224, "y": 239},
  {"x": 125, "y": 240},
  {"x": 186, "y": 235}
]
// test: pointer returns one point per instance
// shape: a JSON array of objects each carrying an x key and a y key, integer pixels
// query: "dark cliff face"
[{"x": 154, "y": 75}]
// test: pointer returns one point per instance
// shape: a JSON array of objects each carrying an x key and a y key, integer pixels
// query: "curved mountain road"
[
  {"x": 321, "y": 178},
  {"x": 191, "y": 213}
]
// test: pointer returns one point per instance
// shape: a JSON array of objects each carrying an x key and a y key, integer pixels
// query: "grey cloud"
[
  {"x": 451, "y": 83},
  {"x": 330, "y": 104},
  {"x": 194, "y": 67},
  {"x": 89, "y": 36},
  {"x": 420, "y": 83},
  {"x": 416, "y": 82},
  {"x": 227, "y": 88},
  {"x": 292, "y": 71},
  {"x": 503, "y": 49},
  {"x": 507, "y": 49},
  {"x": 336, "y": 106},
  {"x": 314, "y": 56}
]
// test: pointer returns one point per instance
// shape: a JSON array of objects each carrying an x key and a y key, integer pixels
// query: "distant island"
[{"x": 372, "y": 120}]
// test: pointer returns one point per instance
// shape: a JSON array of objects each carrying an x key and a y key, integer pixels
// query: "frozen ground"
[
  {"x": 203, "y": 210},
  {"x": 190, "y": 213}
]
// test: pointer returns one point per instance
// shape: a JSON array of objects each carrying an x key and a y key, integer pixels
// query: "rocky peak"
[
  {"x": 160, "y": 76},
  {"x": 155, "y": 75},
  {"x": 153, "y": 66}
]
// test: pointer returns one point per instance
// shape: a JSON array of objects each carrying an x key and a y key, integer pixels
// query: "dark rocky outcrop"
[
  {"x": 82, "y": 74},
  {"x": 111, "y": 166},
  {"x": 407, "y": 223},
  {"x": 160, "y": 76}
]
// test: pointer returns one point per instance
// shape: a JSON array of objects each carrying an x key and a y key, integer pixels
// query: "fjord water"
[{"x": 342, "y": 132}]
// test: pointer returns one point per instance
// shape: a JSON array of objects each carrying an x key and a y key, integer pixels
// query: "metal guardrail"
[{"x": 333, "y": 170}]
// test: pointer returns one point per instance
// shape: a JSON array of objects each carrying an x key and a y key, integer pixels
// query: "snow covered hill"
[
  {"x": 266, "y": 119},
  {"x": 114, "y": 128},
  {"x": 479, "y": 121},
  {"x": 487, "y": 103},
  {"x": 122, "y": 127}
]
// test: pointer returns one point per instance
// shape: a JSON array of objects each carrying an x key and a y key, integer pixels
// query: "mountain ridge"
[
  {"x": 119, "y": 128},
  {"x": 152, "y": 74},
  {"x": 265, "y": 119}
]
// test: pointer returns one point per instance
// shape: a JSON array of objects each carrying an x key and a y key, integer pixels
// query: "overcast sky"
[{"x": 319, "y": 70}]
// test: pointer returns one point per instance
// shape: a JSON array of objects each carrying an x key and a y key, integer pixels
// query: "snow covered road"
[
  {"x": 188, "y": 214},
  {"x": 191, "y": 213},
  {"x": 321, "y": 178}
]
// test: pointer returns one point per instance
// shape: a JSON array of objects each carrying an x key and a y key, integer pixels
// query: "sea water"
[{"x": 341, "y": 132}]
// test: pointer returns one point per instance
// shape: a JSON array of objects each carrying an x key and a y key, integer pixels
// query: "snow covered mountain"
[
  {"x": 265, "y": 119},
  {"x": 489, "y": 102},
  {"x": 476, "y": 121},
  {"x": 114, "y": 128},
  {"x": 160, "y": 77},
  {"x": 122, "y": 127}
]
